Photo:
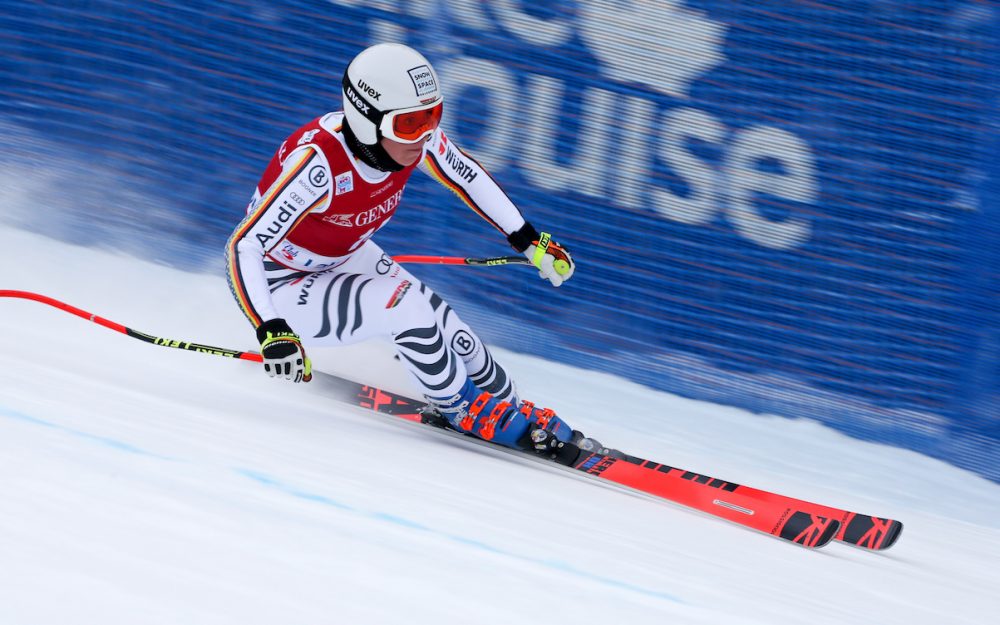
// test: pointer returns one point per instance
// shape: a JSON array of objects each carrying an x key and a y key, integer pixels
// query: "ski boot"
[
  {"x": 478, "y": 413},
  {"x": 546, "y": 437},
  {"x": 534, "y": 430}
]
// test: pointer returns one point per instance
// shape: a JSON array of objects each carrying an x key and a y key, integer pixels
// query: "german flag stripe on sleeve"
[
  {"x": 234, "y": 273},
  {"x": 236, "y": 285},
  {"x": 438, "y": 174}
]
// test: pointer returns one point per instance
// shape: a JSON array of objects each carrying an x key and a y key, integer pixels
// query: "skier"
[{"x": 304, "y": 269}]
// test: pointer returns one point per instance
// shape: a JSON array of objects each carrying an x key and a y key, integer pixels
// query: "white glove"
[{"x": 553, "y": 261}]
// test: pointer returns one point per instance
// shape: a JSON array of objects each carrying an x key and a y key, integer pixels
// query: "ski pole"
[
  {"x": 458, "y": 260},
  {"x": 142, "y": 336},
  {"x": 232, "y": 353}
]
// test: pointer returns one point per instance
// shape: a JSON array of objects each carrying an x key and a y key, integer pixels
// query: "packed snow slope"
[{"x": 148, "y": 485}]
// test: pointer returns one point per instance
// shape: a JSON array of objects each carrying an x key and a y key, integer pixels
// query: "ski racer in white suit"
[{"x": 305, "y": 271}]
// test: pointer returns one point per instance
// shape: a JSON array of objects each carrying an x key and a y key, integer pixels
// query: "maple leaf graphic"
[{"x": 658, "y": 43}]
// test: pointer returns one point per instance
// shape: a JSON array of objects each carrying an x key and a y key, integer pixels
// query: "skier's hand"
[
  {"x": 553, "y": 260},
  {"x": 283, "y": 353}
]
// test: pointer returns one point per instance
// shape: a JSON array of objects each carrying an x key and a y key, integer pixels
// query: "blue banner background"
[{"x": 798, "y": 215}]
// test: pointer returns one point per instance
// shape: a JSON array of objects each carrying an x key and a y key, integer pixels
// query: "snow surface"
[{"x": 147, "y": 485}]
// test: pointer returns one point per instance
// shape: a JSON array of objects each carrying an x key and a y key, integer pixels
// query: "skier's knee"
[{"x": 406, "y": 309}]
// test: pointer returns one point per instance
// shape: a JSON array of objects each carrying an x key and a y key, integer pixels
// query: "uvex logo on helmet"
[
  {"x": 372, "y": 93},
  {"x": 357, "y": 100}
]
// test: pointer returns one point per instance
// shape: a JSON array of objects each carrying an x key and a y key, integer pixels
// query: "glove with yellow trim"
[
  {"x": 283, "y": 353},
  {"x": 553, "y": 260}
]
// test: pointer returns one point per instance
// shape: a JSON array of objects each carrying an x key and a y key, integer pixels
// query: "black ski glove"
[{"x": 283, "y": 353}]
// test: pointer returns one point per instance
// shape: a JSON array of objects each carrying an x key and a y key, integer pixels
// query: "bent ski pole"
[
  {"x": 458, "y": 260},
  {"x": 142, "y": 336}
]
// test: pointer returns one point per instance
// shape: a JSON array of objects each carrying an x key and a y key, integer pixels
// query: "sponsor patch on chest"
[
  {"x": 345, "y": 183},
  {"x": 307, "y": 137}
]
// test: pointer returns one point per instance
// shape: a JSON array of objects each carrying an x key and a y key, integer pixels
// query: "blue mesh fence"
[{"x": 789, "y": 206}]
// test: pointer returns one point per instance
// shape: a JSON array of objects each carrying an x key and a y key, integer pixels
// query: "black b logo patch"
[{"x": 463, "y": 343}]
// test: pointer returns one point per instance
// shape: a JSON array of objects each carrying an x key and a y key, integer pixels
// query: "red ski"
[
  {"x": 779, "y": 516},
  {"x": 801, "y": 522}
]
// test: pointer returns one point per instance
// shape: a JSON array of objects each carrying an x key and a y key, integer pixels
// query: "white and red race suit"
[{"x": 304, "y": 253}]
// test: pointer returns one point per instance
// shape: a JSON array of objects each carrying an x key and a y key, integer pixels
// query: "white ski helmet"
[{"x": 391, "y": 90}]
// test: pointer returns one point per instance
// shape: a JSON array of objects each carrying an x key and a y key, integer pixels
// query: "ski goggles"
[
  {"x": 412, "y": 125},
  {"x": 406, "y": 125}
]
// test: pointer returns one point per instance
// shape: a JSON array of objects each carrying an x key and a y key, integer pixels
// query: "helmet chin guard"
[{"x": 391, "y": 90}]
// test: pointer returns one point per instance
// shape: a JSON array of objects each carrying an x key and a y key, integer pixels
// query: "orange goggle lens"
[{"x": 412, "y": 125}]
